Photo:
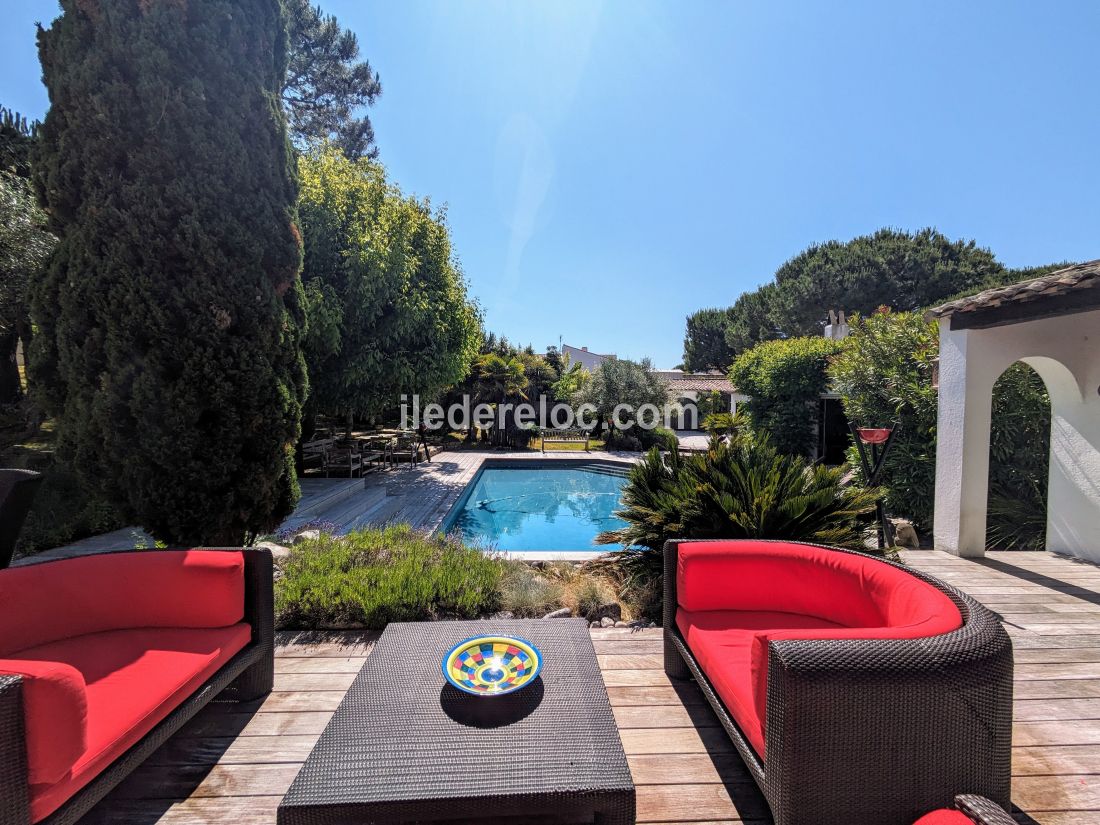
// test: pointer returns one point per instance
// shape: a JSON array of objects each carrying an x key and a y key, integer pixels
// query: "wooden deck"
[{"x": 232, "y": 764}]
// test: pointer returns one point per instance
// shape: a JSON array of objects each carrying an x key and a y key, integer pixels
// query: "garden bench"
[
  {"x": 564, "y": 437},
  {"x": 313, "y": 452},
  {"x": 342, "y": 459}
]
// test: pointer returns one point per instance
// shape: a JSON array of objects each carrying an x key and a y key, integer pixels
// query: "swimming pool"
[{"x": 539, "y": 507}]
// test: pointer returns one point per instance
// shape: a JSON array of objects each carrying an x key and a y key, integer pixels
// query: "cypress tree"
[{"x": 170, "y": 313}]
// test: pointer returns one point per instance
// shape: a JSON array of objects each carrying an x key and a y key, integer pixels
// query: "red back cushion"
[
  {"x": 848, "y": 589},
  {"x": 164, "y": 588}
]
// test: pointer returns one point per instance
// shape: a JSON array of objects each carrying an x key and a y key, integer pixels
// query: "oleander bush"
[{"x": 384, "y": 574}]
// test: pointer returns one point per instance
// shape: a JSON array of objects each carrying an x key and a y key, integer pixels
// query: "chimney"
[
  {"x": 584, "y": 349},
  {"x": 837, "y": 328}
]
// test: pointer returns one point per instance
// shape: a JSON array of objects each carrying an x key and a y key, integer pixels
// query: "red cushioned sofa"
[
  {"x": 855, "y": 689},
  {"x": 103, "y": 657}
]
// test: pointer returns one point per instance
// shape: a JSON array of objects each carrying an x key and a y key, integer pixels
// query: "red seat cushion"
[
  {"x": 134, "y": 679},
  {"x": 752, "y": 592},
  {"x": 722, "y": 641},
  {"x": 73, "y": 597},
  {"x": 944, "y": 816}
]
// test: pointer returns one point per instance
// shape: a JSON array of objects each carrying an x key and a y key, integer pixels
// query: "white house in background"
[
  {"x": 1051, "y": 323},
  {"x": 689, "y": 387},
  {"x": 581, "y": 355}
]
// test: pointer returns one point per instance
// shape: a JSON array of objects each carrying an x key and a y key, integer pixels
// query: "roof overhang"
[{"x": 1063, "y": 292}]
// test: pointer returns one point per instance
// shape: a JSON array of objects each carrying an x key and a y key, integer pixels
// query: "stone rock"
[
  {"x": 593, "y": 624},
  {"x": 905, "y": 535},
  {"x": 503, "y": 614},
  {"x": 564, "y": 613},
  {"x": 612, "y": 610},
  {"x": 278, "y": 552},
  {"x": 622, "y": 624},
  {"x": 307, "y": 535},
  {"x": 607, "y": 621}
]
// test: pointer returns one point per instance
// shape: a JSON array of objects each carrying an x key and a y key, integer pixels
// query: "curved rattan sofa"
[
  {"x": 104, "y": 657},
  {"x": 838, "y": 722}
]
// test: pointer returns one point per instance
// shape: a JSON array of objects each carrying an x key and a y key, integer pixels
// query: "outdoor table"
[{"x": 406, "y": 746}]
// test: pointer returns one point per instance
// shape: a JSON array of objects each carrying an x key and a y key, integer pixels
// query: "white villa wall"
[
  {"x": 1065, "y": 351},
  {"x": 579, "y": 355}
]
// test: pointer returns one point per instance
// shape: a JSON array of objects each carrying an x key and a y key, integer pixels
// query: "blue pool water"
[{"x": 540, "y": 508}]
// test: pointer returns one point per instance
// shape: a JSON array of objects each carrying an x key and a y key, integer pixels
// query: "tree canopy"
[
  {"x": 327, "y": 85},
  {"x": 386, "y": 301},
  {"x": 902, "y": 270},
  {"x": 25, "y": 245},
  {"x": 620, "y": 381},
  {"x": 705, "y": 345},
  {"x": 169, "y": 315}
]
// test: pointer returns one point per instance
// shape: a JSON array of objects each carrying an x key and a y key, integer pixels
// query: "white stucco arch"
[{"x": 1065, "y": 351}]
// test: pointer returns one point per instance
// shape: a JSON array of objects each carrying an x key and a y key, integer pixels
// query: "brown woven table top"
[{"x": 406, "y": 746}]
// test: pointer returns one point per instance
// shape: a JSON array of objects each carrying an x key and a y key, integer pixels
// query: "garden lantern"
[{"x": 873, "y": 445}]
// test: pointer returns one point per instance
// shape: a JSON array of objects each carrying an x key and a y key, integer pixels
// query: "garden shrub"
[
  {"x": 64, "y": 510},
  {"x": 527, "y": 592},
  {"x": 884, "y": 375},
  {"x": 745, "y": 489},
  {"x": 784, "y": 380},
  {"x": 1019, "y": 461},
  {"x": 379, "y": 575}
]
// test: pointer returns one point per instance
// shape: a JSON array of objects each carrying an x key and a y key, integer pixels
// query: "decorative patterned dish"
[{"x": 492, "y": 665}]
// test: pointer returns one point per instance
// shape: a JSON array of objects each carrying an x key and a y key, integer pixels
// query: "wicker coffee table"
[{"x": 405, "y": 747}]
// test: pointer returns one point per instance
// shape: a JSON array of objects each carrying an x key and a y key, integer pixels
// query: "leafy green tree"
[
  {"x": 25, "y": 246},
  {"x": 784, "y": 380},
  {"x": 387, "y": 306},
  {"x": 169, "y": 315},
  {"x": 500, "y": 378},
  {"x": 900, "y": 270},
  {"x": 573, "y": 378},
  {"x": 750, "y": 320},
  {"x": 327, "y": 85},
  {"x": 620, "y": 381},
  {"x": 705, "y": 346}
]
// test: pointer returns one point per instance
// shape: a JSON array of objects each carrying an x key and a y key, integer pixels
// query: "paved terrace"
[{"x": 232, "y": 763}]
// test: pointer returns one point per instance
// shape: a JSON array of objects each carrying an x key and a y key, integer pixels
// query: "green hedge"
[{"x": 784, "y": 380}]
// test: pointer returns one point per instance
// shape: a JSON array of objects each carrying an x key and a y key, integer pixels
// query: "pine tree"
[
  {"x": 327, "y": 85},
  {"x": 170, "y": 314}
]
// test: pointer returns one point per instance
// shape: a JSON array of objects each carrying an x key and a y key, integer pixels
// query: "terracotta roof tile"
[{"x": 1059, "y": 282}]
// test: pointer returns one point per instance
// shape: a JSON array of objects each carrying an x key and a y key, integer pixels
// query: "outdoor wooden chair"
[{"x": 342, "y": 459}]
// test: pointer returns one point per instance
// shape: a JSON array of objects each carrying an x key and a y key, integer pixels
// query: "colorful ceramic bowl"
[{"x": 492, "y": 665}]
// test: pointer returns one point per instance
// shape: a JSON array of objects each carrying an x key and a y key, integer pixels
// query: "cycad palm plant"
[{"x": 744, "y": 489}]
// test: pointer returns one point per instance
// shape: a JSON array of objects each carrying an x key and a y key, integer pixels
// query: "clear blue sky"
[{"x": 609, "y": 168}]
